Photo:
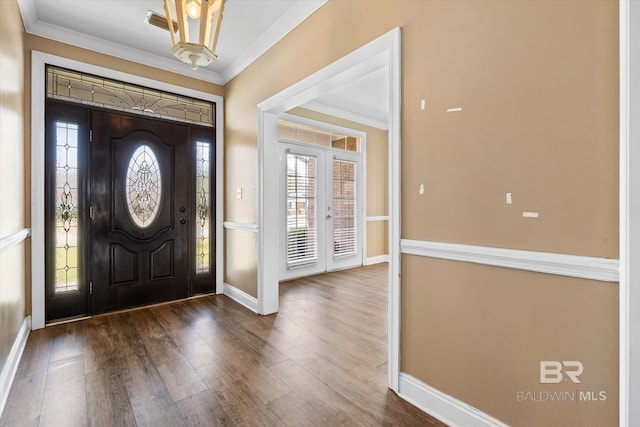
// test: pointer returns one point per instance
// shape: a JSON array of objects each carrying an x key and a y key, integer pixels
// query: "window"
[
  {"x": 302, "y": 242},
  {"x": 144, "y": 187},
  {"x": 291, "y": 131},
  {"x": 203, "y": 210},
  {"x": 66, "y": 234},
  {"x": 344, "y": 208}
]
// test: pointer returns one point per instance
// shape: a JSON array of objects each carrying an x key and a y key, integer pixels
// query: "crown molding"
[
  {"x": 277, "y": 31},
  {"x": 319, "y": 107},
  {"x": 283, "y": 26},
  {"x": 36, "y": 27}
]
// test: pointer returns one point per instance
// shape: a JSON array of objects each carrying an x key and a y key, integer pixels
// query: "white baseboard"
[
  {"x": 241, "y": 297},
  {"x": 11, "y": 366},
  {"x": 377, "y": 259},
  {"x": 447, "y": 409}
]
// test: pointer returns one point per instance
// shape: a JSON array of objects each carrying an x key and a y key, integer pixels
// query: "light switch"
[
  {"x": 509, "y": 199},
  {"x": 239, "y": 193},
  {"x": 423, "y": 104},
  {"x": 421, "y": 189}
]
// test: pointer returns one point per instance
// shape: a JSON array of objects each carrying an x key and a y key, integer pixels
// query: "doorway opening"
[{"x": 353, "y": 66}]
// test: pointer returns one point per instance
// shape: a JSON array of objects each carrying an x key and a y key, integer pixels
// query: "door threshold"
[
  {"x": 124, "y": 310},
  {"x": 66, "y": 320}
]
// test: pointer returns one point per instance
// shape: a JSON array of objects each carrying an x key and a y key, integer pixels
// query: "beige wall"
[
  {"x": 538, "y": 84},
  {"x": 12, "y": 194},
  {"x": 479, "y": 333},
  {"x": 377, "y": 176}
]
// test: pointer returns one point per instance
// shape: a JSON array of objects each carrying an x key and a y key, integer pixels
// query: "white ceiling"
[
  {"x": 248, "y": 29},
  {"x": 364, "y": 101}
]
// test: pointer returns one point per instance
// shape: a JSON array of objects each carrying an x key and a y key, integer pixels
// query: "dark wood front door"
[{"x": 139, "y": 191}]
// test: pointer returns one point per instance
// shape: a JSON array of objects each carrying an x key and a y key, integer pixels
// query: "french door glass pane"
[
  {"x": 203, "y": 211},
  {"x": 344, "y": 208},
  {"x": 302, "y": 239},
  {"x": 66, "y": 259}
]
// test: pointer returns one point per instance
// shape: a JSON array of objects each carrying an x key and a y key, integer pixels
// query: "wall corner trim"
[
  {"x": 241, "y": 297},
  {"x": 583, "y": 267},
  {"x": 447, "y": 409},
  {"x": 11, "y": 366}
]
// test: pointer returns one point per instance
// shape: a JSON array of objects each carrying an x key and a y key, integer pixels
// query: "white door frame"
[
  {"x": 629, "y": 213},
  {"x": 332, "y": 76},
  {"x": 38, "y": 99}
]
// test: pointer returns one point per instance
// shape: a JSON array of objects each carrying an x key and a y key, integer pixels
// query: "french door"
[
  {"x": 129, "y": 210},
  {"x": 322, "y": 220}
]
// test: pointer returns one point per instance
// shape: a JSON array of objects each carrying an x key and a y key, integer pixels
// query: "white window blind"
[
  {"x": 344, "y": 208},
  {"x": 302, "y": 226}
]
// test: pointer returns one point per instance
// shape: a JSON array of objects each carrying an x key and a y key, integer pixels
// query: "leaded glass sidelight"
[
  {"x": 66, "y": 182},
  {"x": 203, "y": 211},
  {"x": 143, "y": 186}
]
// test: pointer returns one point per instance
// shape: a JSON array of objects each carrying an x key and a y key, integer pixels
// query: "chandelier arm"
[
  {"x": 217, "y": 9},
  {"x": 170, "y": 22},
  {"x": 205, "y": 22},
  {"x": 183, "y": 23}
]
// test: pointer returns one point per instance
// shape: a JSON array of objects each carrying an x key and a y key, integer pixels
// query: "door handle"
[{"x": 183, "y": 220}]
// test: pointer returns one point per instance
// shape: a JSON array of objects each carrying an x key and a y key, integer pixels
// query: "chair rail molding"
[
  {"x": 243, "y": 226},
  {"x": 378, "y": 218},
  {"x": 13, "y": 239},
  {"x": 602, "y": 269}
]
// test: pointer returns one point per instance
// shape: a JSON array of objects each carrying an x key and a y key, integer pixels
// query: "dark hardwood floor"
[{"x": 209, "y": 361}]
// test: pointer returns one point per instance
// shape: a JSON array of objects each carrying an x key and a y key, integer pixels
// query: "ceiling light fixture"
[{"x": 204, "y": 17}]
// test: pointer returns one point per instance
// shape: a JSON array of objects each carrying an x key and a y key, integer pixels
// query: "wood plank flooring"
[{"x": 209, "y": 361}]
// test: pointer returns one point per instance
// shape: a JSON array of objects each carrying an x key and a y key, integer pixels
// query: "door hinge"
[
  {"x": 91, "y": 212},
  {"x": 90, "y": 288},
  {"x": 91, "y": 135}
]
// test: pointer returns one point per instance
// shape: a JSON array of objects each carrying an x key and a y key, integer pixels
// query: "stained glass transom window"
[
  {"x": 101, "y": 92},
  {"x": 292, "y": 131},
  {"x": 66, "y": 262},
  {"x": 143, "y": 186},
  {"x": 203, "y": 208}
]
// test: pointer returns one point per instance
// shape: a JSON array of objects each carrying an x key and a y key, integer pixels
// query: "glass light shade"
[{"x": 193, "y": 9}]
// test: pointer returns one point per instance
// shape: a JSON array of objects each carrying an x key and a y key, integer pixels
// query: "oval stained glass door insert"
[{"x": 144, "y": 186}]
